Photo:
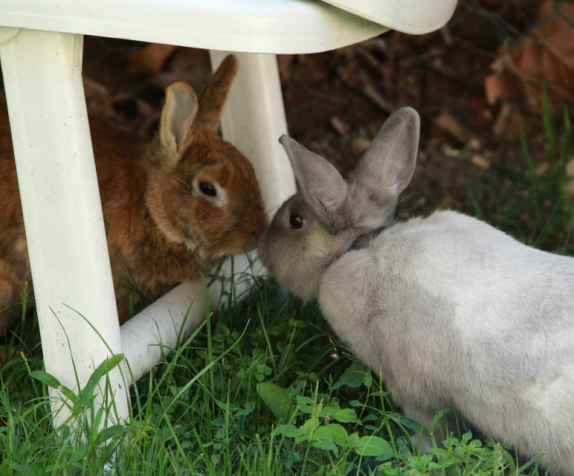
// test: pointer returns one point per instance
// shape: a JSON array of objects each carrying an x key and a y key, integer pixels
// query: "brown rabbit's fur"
[{"x": 161, "y": 228}]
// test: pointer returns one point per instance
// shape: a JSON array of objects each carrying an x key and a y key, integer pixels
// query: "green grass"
[{"x": 261, "y": 389}]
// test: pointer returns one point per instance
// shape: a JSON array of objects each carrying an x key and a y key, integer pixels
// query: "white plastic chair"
[{"x": 41, "y": 55}]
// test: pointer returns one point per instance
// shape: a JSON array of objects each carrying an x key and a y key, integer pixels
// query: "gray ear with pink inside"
[
  {"x": 385, "y": 170},
  {"x": 320, "y": 183},
  {"x": 391, "y": 158}
]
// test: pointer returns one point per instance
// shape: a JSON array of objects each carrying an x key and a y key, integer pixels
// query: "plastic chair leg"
[{"x": 62, "y": 211}]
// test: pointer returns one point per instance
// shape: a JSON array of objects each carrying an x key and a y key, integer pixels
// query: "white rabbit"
[{"x": 451, "y": 311}]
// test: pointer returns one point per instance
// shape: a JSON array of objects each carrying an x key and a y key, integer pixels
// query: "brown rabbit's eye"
[
  {"x": 296, "y": 221},
  {"x": 207, "y": 189}
]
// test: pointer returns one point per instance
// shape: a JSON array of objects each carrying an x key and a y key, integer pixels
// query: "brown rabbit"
[{"x": 174, "y": 206}]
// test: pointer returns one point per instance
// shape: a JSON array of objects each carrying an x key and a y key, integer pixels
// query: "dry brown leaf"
[
  {"x": 509, "y": 121},
  {"x": 479, "y": 113},
  {"x": 546, "y": 56},
  {"x": 542, "y": 168},
  {"x": 480, "y": 161},
  {"x": 450, "y": 124},
  {"x": 450, "y": 152},
  {"x": 150, "y": 59},
  {"x": 360, "y": 144},
  {"x": 474, "y": 144},
  {"x": 340, "y": 125}
]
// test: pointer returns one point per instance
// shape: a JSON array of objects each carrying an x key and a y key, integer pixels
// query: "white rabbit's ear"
[
  {"x": 177, "y": 118},
  {"x": 391, "y": 158},
  {"x": 322, "y": 186},
  {"x": 385, "y": 170}
]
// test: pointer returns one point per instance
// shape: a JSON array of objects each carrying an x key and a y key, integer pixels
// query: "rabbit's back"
[
  {"x": 455, "y": 312},
  {"x": 481, "y": 271},
  {"x": 469, "y": 266}
]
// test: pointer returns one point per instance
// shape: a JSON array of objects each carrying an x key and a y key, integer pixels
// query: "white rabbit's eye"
[
  {"x": 296, "y": 221},
  {"x": 207, "y": 189}
]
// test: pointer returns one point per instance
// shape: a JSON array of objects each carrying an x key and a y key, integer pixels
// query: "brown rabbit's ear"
[
  {"x": 215, "y": 93},
  {"x": 177, "y": 117}
]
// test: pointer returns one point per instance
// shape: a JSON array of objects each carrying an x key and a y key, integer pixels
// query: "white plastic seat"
[
  {"x": 409, "y": 16},
  {"x": 41, "y": 57},
  {"x": 254, "y": 26}
]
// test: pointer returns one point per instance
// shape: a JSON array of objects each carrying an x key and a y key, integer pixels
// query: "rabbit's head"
[
  {"x": 201, "y": 190},
  {"x": 329, "y": 217}
]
